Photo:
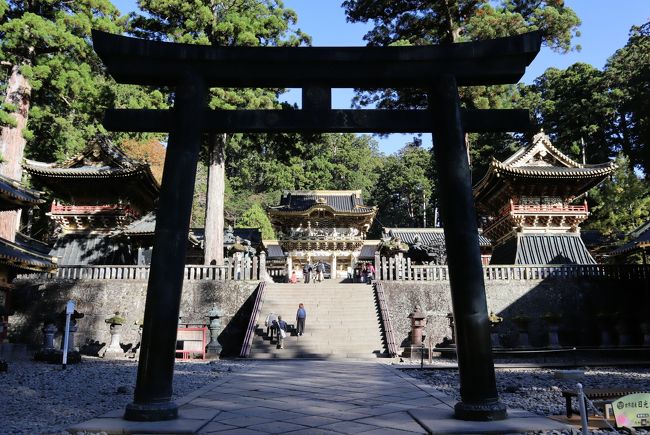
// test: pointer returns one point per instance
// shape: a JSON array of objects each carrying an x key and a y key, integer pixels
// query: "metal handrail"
[
  {"x": 252, "y": 322},
  {"x": 385, "y": 319}
]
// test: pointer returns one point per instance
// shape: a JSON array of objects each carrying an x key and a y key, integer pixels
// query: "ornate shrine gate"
[{"x": 192, "y": 69}]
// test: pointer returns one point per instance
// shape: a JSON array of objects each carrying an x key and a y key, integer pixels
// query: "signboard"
[{"x": 632, "y": 410}]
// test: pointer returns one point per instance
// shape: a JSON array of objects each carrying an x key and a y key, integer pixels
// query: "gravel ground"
[
  {"x": 42, "y": 398},
  {"x": 39, "y": 398},
  {"x": 539, "y": 390}
]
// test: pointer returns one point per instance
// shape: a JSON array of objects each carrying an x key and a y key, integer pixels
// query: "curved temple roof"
[
  {"x": 14, "y": 196},
  {"x": 538, "y": 169},
  {"x": 339, "y": 201},
  {"x": 101, "y": 161},
  {"x": 21, "y": 258}
]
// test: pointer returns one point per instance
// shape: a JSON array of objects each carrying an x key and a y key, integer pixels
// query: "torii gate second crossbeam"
[{"x": 192, "y": 69}]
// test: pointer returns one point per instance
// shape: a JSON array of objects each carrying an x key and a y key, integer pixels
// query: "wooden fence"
[{"x": 402, "y": 269}]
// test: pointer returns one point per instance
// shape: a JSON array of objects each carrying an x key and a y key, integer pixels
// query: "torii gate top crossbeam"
[{"x": 138, "y": 61}]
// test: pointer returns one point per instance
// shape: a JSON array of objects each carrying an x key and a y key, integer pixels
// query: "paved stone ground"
[{"x": 318, "y": 397}]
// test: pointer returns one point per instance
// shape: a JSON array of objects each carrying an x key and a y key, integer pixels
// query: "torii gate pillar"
[{"x": 479, "y": 397}]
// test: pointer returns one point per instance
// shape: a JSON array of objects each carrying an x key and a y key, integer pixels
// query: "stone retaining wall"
[
  {"x": 99, "y": 299},
  {"x": 581, "y": 304},
  {"x": 578, "y": 301}
]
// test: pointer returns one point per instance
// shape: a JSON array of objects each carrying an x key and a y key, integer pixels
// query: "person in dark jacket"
[
  {"x": 301, "y": 315},
  {"x": 281, "y": 327},
  {"x": 306, "y": 271}
]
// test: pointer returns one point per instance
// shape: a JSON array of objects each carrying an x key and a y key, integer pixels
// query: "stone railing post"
[{"x": 262, "y": 268}]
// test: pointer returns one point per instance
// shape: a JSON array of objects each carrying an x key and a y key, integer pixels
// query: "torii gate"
[{"x": 192, "y": 69}]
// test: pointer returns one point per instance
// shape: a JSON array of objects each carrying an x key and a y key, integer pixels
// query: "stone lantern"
[
  {"x": 114, "y": 350},
  {"x": 214, "y": 314},
  {"x": 418, "y": 322},
  {"x": 48, "y": 350}
]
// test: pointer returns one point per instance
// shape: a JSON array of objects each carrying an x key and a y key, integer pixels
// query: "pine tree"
[
  {"x": 54, "y": 87},
  {"x": 223, "y": 23},
  {"x": 255, "y": 217}
]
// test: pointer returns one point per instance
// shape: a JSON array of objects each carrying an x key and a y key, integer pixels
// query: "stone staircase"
[{"x": 342, "y": 322}]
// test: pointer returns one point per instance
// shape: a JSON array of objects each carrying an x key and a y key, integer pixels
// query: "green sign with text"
[{"x": 632, "y": 410}]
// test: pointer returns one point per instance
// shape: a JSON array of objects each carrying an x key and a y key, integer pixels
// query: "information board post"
[{"x": 69, "y": 310}]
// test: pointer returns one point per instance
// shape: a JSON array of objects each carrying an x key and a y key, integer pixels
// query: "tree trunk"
[
  {"x": 214, "y": 209},
  {"x": 12, "y": 144}
]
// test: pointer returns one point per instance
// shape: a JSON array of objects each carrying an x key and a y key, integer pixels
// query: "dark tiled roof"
[
  {"x": 33, "y": 245},
  {"x": 543, "y": 249},
  {"x": 36, "y": 168},
  {"x": 14, "y": 196},
  {"x": 640, "y": 241},
  {"x": 146, "y": 225},
  {"x": 21, "y": 258},
  {"x": 274, "y": 251},
  {"x": 427, "y": 236},
  {"x": 341, "y": 201},
  {"x": 93, "y": 249},
  {"x": 368, "y": 251}
]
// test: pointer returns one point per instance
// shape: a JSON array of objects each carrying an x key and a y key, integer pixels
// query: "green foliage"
[
  {"x": 289, "y": 161},
  {"x": 256, "y": 217},
  {"x": 435, "y": 22},
  {"x": 404, "y": 189},
  {"x": 627, "y": 75},
  {"x": 621, "y": 203},
  {"x": 407, "y": 22},
  {"x": 224, "y": 23},
  {"x": 50, "y": 42},
  {"x": 573, "y": 105}
]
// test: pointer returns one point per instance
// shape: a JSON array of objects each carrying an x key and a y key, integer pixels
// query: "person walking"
[
  {"x": 301, "y": 315},
  {"x": 270, "y": 322},
  {"x": 371, "y": 273},
  {"x": 281, "y": 326},
  {"x": 306, "y": 271},
  {"x": 320, "y": 270}
]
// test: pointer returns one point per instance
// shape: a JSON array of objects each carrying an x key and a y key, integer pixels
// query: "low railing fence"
[
  {"x": 234, "y": 269},
  {"x": 391, "y": 344},
  {"x": 387, "y": 269},
  {"x": 253, "y": 322},
  {"x": 402, "y": 269}
]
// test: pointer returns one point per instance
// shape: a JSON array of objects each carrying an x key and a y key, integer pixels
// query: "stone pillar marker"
[{"x": 479, "y": 397}]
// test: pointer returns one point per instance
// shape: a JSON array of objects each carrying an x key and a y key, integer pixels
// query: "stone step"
[
  {"x": 342, "y": 322},
  {"x": 289, "y": 354}
]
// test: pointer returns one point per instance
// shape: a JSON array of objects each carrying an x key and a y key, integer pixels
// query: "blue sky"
[{"x": 604, "y": 29}]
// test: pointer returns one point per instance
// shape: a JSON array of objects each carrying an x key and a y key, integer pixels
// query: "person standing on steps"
[
  {"x": 320, "y": 270},
  {"x": 270, "y": 322},
  {"x": 282, "y": 331},
  {"x": 301, "y": 315},
  {"x": 306, "y": 270}
]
